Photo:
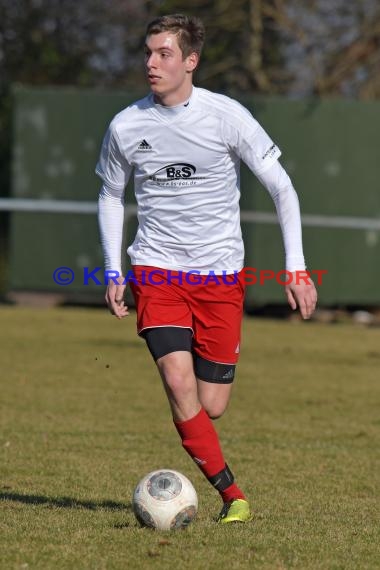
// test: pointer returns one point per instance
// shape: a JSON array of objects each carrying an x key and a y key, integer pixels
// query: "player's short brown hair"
[{"x": 189, "y": 30}]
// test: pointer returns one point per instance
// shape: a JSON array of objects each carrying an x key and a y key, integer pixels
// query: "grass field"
[{"x": 83, "y": 417}]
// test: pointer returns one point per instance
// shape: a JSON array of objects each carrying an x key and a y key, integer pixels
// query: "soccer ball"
[{"x": 165, "y": 500}]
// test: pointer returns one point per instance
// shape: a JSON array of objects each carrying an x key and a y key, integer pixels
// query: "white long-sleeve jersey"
[{"x": 186, "y": 161}]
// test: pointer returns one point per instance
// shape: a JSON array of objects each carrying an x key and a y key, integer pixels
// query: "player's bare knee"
[
  {"x": 215, "y": 412},
  {"x": 179, "y": 385},
  {"x": 177, "y": 375}
]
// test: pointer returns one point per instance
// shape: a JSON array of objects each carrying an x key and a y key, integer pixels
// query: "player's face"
[{"x": 169, "y": 73}]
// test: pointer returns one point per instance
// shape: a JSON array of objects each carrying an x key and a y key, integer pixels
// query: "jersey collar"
[{"x": 170, "y": 114}]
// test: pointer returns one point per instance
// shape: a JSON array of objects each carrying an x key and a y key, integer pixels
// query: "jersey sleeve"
[
  {"x": 113, "y": 167},
  {"x": 281, "y": 189},
  {"x": 247, "y": 138},
  {"x": 258, "y": 150},
  {"x": 111, "y": 224}
]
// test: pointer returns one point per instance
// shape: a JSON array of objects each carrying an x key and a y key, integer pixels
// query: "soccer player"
[{"x": 184, "y": 145}]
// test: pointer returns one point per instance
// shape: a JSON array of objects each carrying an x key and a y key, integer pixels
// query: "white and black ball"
[{"x": 165, "y": 500}]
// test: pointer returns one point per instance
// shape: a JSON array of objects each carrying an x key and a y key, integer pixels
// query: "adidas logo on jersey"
[{"x": 144, "y": 146}]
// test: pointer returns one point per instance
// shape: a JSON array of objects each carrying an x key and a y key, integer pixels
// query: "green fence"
[{"x": 330, "y": 150}]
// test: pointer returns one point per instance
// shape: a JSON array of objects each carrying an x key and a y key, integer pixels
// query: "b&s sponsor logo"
[{"x": 176, "y": 174}]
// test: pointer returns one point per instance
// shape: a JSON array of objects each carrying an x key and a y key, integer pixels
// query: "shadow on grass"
[{"x": 64, "y": 502}]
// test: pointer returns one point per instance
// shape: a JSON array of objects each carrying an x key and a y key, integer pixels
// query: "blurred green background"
[{"x": 307, "y": 72}]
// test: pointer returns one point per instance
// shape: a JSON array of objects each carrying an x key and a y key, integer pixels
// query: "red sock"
[{"x": 201, "y": 442}]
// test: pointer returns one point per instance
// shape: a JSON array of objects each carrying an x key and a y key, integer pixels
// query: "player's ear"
[{"x": 192, "y": 61}]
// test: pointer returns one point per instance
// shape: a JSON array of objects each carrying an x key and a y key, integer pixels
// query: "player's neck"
[{"x": 174, "y": 99}]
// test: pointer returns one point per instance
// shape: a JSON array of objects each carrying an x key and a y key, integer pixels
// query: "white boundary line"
[
  {"x": 48, "y": 206},
  {"x": 337, "y": 222},
  {"x": 77, "y": 207}
]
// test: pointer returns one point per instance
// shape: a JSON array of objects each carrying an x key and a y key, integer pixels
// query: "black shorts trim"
[
  {"x": 213, "y": 371},
  {"x": 163, "y": 340}
]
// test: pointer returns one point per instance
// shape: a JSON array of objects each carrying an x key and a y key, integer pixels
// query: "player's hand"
[
  {"x": 301, "y": 292},
  {"x": 115, "y": 298}
]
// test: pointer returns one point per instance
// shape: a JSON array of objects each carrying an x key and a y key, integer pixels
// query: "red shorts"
[{"x": 210, "y": 305}]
